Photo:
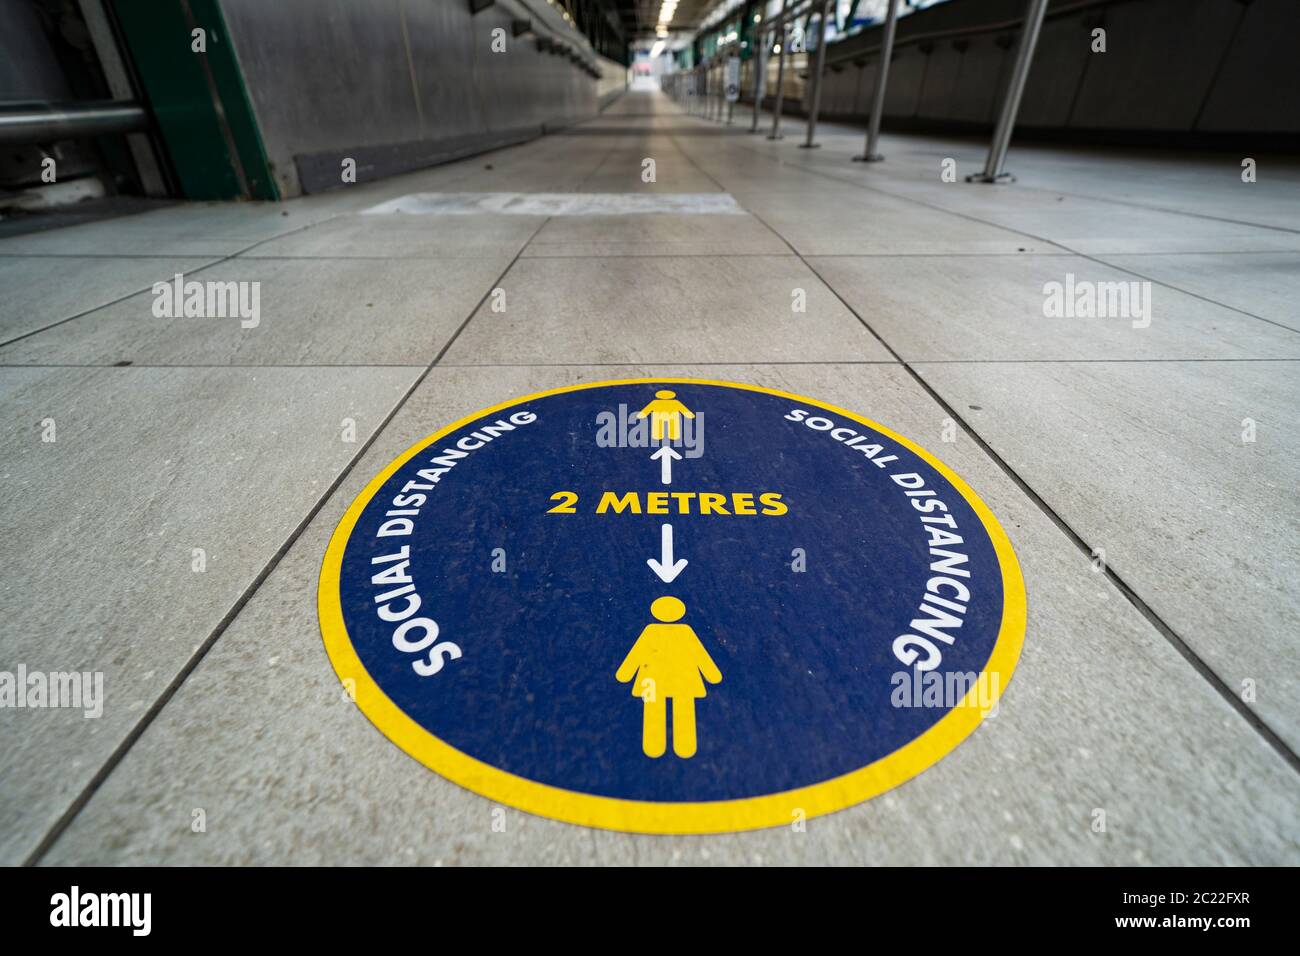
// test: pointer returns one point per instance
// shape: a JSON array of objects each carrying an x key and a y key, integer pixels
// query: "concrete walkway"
[{"x": 1145, "y": 467}]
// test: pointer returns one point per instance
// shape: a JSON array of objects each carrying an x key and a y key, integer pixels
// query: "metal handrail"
[
  {"x": 28, "y": 122},
  {"x": 958, "y": 32}
]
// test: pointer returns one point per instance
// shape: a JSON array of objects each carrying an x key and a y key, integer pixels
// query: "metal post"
[
  {"x": 760, "y": 76},
  {"x": 993, "y": 172},
  {"x": 726, "y": 102},
  {"x": 872, "y": 154},
  {"x": 819, "y": 74},
  {"x": 780, "y": 74},
  {"x": 711, "y": 88},
  {"x": 715, "y": 113},
  {"x": 722, "y": 88},
  {"x": 726, "y": 93},
  {"x": 715, "y": 87}
]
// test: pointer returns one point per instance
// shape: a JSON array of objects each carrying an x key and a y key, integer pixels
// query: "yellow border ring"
[{"x": 646, "y": 816}]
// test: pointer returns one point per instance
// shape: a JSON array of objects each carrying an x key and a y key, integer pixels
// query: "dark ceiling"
[{"x": 639, "y": 17}]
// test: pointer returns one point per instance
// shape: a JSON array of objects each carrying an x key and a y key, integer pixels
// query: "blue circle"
[{"x": 809, "y": 671}]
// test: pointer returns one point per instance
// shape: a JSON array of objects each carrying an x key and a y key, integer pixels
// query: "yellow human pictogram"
[
  {"x": 667, "y": 661},
  {"x": 665, "y": 413}
]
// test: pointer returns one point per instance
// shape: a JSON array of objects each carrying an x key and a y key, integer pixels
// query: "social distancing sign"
[{"x": 672, "y": 605}]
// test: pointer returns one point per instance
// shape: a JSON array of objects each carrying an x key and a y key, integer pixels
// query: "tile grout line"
[
  {"x": 137, "y": 730},
  {"x": 1189, "y": 292},
  {"x": 1171, "y": 636},
  {"x": 1127, "y": 203},
  {"x": 226, "y": 365},
  {"x": 1198, "y": 664},
  {"x": 94, "y": 308},
  {"x": 173, "y": 687},
  {"x": 1070, "y": 250},
  {"x": 1065, "y": 251},
  {"x": 105, "y": 305},
  {"x": 656, "y": 361},
  {"x": 691, "y": 362}
]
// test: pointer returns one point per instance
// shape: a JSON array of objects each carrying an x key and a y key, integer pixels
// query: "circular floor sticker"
[{"x": 672, "y": 606}]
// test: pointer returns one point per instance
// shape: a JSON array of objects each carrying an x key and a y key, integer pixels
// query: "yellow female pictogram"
[
  {"x": 665, "y": 413},
  {"x": 667, "y": 661}
]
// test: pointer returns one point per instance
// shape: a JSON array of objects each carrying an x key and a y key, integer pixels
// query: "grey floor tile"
[
  {"x": 1264, "y": 284},
  {"x": 992, "y": 308},
  {"x": 186, "y": 229},
  {"x": 695, "y": 309},
  {"x": 809, "y": 244},
  {"x": 42, "y": 290},
  {"x": 828, "y": 219},
  {"x": 1087, "y": 203},
  {"x": 101, "y": 527},
  {"x": 623, "y": 173},
  {"x": 1230, "y": 244},
  {"x": 311, "y": 312},
  {"x": 1097, "y": 224},
  {"x": 1206, "y": 185},
  {"x": 353, "y": 197},
  {"x": 405, "y": 237},
  {"x": 544, "y": 165},
  {"x": 1102, "y": 713},
  {"x": 536, "y": 165},
  {"x": 1095, "y": 227},
  {"x": 1147, "y": 461},
  {"x": 1144, "y": 459},
  {"x": 665, "y": 234}
]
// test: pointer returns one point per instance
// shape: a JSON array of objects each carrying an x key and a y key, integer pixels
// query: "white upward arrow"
[
  {"x": 667, "y": 569},
  {"x": 666, "y": 454}
]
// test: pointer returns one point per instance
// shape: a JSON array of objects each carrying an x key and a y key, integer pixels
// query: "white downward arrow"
[
  {"x": 667, "y": 569},
  {"x": 666, "y": 454}
]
